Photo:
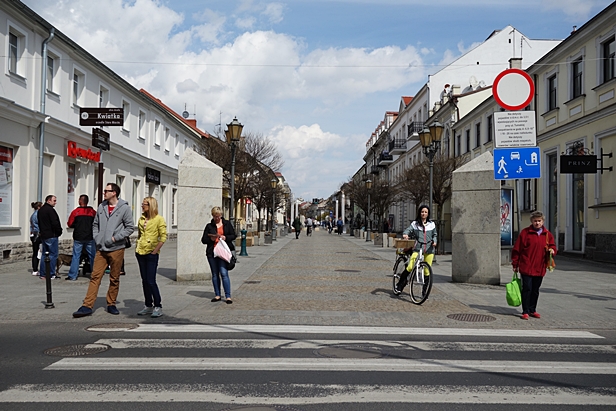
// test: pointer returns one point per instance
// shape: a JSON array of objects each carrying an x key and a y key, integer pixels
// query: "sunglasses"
[
  {"x": 145, "y": 205},
  {"x": 108, "y": 191}
]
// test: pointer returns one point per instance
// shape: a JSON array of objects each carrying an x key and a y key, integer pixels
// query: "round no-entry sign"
[{"x": 513, "y": 89}]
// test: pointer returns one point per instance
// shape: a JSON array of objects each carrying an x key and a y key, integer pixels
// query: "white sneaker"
[
  {"x": 146, "y": 311},
  {"x": 158, "y": 312},
  {"x": 34, "y": 272}
]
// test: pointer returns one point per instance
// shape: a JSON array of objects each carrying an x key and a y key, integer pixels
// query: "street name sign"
[
  {"x": 513, "y": 163},
  {"x": 100, "y": 139},
  {"x": 513, "y": 89},
  {"x": 101, "y": 116},
  {"x": 515, "y": 129}
]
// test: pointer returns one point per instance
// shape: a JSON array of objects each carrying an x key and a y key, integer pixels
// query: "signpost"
[
  {"x": 100, "y": 139},
  {"x": 97, "y": 116},
  {"x": 514, "y": 163}
]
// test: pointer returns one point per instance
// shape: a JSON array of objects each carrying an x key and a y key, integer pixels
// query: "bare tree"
[
  {"x": 413, "y": 183},
  {"x": 441, "y": 180}
]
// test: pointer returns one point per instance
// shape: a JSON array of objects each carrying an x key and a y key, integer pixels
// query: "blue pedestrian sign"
[{"x": 520, "y": 162}]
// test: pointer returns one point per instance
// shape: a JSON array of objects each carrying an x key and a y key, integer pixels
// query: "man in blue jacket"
[{"x": 113, "y": 224}]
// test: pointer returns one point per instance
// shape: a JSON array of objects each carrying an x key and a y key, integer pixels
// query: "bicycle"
[{"x": 420, "y": 284}]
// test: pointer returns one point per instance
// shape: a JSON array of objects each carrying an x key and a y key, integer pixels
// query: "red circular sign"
[{"x": 513, "y": 89}]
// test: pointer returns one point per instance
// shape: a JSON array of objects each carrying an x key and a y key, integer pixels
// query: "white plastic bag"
[{"x": 222, "y": 251}]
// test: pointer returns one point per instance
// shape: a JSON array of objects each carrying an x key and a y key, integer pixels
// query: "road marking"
[
  {"x": 195, "y": 343},
  {"x": 334, "y": 364},
  {"x": 296, "y": 394},
  {"x": 271, "y": 330}
]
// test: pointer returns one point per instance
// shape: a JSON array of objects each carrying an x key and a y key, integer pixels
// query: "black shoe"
[
  {"x": 83, "y": 311},
  {"x": 112, "y": 309}
]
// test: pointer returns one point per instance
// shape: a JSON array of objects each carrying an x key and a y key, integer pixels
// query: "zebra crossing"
[{"x": 295, "y": 365}]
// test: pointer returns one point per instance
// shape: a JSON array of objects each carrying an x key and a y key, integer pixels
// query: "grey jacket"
[
  {"x": 425, "y": 236},
  {"x": 118, "y": 225}
]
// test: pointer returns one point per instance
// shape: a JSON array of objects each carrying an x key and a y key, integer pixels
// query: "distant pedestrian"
[
  {"x": 297, "y": 226},
  {"x": 530, "y": 256},
  {"x": 113, "y": 224},
  {"x": 35, "y": 238},
  {"x": 81, "y": 220},
  {"x": 49, "y": 230},
  {"x": 308, "y": 227},
  {"x": 217, "y": 230},
  {"x": 152, "y": 236},
  {"x": 340, "y": 225}
]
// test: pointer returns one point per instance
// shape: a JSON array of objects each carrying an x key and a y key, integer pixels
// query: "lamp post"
[
  {"x": 430, "y": 138},
  {"x": 233, "y": 133},
  {"x": 369, "y": 221},
  {"x": 273, "y": 183}
]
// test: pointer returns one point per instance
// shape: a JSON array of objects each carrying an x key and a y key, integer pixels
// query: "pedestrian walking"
[
  {"x": 530, "y": 256},
  {"x": 152, "y": 235},
  {"x": 217, "y": 230},
  {"x": 113, "y": 224},
  {"x": 35, "y": 238},
  {"x": 297, "y": 226},
  {"x": 49, "y": 231},
  {"x": 340, "y": 225},
  {"x": 308, "y": 227},
  {"x": 81, "y": 220}
]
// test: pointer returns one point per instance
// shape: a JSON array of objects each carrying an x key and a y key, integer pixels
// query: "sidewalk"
[{"x": 321, "y": 280}]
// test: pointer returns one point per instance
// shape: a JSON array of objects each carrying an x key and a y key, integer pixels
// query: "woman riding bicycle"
[{"x": 424, "y": 231}]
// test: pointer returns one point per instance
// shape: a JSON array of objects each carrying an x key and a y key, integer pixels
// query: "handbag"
[
  {"x": 514, "y": 291},
  {"x": 231, "y": 264},
  {"x": 222, "y": 251}
]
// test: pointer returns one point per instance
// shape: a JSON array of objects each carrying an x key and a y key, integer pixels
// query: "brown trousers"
[{"x": 113, "y": 259}]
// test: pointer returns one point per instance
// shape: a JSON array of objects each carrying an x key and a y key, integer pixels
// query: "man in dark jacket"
[
  {"x": 49, "y": 231},
  {"x": 81, "y": 220},
  {"x": 113, "y": 224}
]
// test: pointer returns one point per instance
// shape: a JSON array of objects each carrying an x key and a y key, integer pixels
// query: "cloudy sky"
[{"x": 315, "y": 76}]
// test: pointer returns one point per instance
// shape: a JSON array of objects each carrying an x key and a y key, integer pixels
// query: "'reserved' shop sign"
[{"x": 77, "y": 152}]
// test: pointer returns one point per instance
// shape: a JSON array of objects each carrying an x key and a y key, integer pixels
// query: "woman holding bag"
[{"x": 217, "y": 230}]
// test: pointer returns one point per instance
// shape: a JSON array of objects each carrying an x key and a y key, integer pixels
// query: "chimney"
[
  {"x": 455, "y": 89},
  {"x": 515, "y": 62},
  {"x": 192, "y": 122}
]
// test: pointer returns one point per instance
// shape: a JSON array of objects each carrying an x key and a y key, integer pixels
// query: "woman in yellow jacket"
[{"x": 152, "y": 236}]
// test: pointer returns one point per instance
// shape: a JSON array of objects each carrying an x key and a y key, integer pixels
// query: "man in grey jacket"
[{"x": 113, "y": 224}]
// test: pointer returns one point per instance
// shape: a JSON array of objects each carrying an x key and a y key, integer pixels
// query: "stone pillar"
[
  {"x": 342, "y": 213},
  {"x": 475, "y": 219},
  {"x": 199, "y": 189},
  {"x": 336, "y": 215}
]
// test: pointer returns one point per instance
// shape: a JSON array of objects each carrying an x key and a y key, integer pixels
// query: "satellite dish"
[
  {"x": 185, "y": 114},
  {"x": 482, "y": 84},
  {"x": 473, "y": 82}
]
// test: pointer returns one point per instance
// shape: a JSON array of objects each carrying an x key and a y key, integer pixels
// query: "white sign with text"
[{"x": 515, "y": 129}]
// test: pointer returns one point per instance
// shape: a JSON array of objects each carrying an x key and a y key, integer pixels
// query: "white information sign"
[{"x": 515, "y": 129}]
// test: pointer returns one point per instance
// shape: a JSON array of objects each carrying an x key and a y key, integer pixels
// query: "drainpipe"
[{"x": 39, "y": 193}]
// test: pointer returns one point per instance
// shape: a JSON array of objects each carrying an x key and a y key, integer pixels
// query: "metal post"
[
  {"x": 368, "y": 222},
  {"x": 431, "y": 168},
  {"x": 49, "y": 303},
  {"x": 232, "y": 210},
  {"x": 243, "y": 249},
  {"x": 273, "y": 214}
]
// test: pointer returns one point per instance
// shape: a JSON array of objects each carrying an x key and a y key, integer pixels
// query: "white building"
[{"x": 42, "y": 97}]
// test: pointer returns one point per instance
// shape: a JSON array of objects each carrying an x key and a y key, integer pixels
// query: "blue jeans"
[
  {"x": 148, "y": 264},
  {"x": 51, "y": 245},
  {"x": 219, "y": 269},
  {"x": 73, "y": 272}
]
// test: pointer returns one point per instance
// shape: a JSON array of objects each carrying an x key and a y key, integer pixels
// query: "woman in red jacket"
[{"x": 529, "y": 257}]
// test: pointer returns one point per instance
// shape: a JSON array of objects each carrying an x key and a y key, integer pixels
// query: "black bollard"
[{"x": 49, "y": 303}]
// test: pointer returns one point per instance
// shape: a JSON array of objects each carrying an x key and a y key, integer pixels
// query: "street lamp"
[
  {"x": 430, "y": 138},
  {"x": 273, "y": 183},
  {"x": 233, "y": 133},
  {"x": 369, "y": 221}
]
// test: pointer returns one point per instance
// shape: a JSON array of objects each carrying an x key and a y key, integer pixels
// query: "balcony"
[
  {"x": 415, "y": 127},
  {"x": 385, "y": 158},
  {"x": 397, "y": 146}
]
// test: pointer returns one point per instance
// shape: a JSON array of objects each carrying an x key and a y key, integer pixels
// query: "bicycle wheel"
[
  {"x": 399, "y": 268},
  {"x": 419, "y": 292}
]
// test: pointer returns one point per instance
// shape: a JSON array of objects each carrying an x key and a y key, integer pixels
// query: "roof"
[
  {"x": 191, "y": 123},
  {"x": 407, "y": 100}
]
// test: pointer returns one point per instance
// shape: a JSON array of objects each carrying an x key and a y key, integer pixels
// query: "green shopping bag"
[{"x": 514, "y": 291}]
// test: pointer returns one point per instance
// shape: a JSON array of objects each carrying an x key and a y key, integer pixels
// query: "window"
[
  {"x": 477, "y": 135},
  {"x": 78, "y": 85},
  {"x": 176, "y": 150},
  {"x": 141, "y": 125},
  {"x": 490, "y": 129},
  {"x": 608, "y": 50},
  {"x": 174, "y": 195},
  {"x": 126, "y": 110},
  {"x": 157, "y": 131},
  {"x": 458, "y": 146},
  {"x": 16, "y": 49},
  {"x": 468, "y": 141},
  {"x": 136, "y": 202},
  {"x": 576, "y": 78},
  {"x": 50, "y": 73},
  {"x": 103, "y": 96},
  {"x": 527, "y": 192},
  {"x": 13, "y": 52},
  {"x": 167, "y": 139},
  {"x": 552, "y": 93}
]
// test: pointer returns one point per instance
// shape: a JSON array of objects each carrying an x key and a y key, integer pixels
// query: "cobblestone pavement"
[{"x": 325, "y": 280}]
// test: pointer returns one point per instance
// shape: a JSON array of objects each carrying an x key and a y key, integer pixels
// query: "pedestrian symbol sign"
[{"x": 520, "y": 162}]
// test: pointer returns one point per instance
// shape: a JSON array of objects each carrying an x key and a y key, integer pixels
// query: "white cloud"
[
  {"x": 211, "y": 29},
  {"x": 245, "y": 23},
  {"x": 572, "y": 8},
  {"x": 274, "y": 12}
]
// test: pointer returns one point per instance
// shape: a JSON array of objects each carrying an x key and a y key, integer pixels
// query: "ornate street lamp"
[
  {"x": 233, "y": 134},
  {"x": 273, "y": 183},
  {"x": 369, "y": 221},
  {"x": 430, "y": 138}
]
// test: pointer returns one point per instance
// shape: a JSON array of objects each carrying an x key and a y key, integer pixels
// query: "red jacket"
[{"x": 529, "y": 254}]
